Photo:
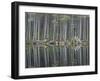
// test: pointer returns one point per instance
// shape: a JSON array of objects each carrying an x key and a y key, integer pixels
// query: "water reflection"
[
  {"x": 54, "y": 56},
  {"x": 53, "y": 40}
]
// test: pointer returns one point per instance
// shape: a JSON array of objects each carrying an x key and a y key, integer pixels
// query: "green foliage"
[
  {"x": 61, "y": 18},
  {"x": 64, "y": 18},
  {"x": 85, "y": 43},
  {"x": 29, "y": 44},
  {"x": 55, "y": 21},
  {"x": 74, "y": 42}
]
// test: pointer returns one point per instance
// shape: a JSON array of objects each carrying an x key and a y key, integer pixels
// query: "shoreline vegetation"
[{"x": 53, "y": 40}]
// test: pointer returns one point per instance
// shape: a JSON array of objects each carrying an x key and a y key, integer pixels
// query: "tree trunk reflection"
[{"x": 53, "y": 40}]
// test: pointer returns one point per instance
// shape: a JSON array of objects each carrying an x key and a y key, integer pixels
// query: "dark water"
[
  {"x": 53, "y": 56},
  {"x": 54, "y": 40}
]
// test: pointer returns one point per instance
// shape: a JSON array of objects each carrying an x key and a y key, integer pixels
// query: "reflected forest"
[{"x": 56, "y": 40}]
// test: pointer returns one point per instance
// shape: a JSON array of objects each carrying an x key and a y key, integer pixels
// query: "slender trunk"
[
  {"x": 54, "y": 29},
  {"x": 72, "y": 27},
  {"x": 45, "y": 57},
  {"x": 65, "y": 32},
  {"x": 38, "y": 28},
  {"x": 45, "y": 26},
  {"x": 80, "y": 39}
]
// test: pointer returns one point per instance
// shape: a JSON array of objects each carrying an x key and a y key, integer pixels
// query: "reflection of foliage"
[
  {"x": 85, "y": 43},
  {"x": 74, "y": 42},
  {"x": 54, "y": 65},
  {"x": 29, "y": 43}
]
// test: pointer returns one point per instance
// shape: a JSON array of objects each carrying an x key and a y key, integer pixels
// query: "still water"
[{"x": 54, "y": 40}]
